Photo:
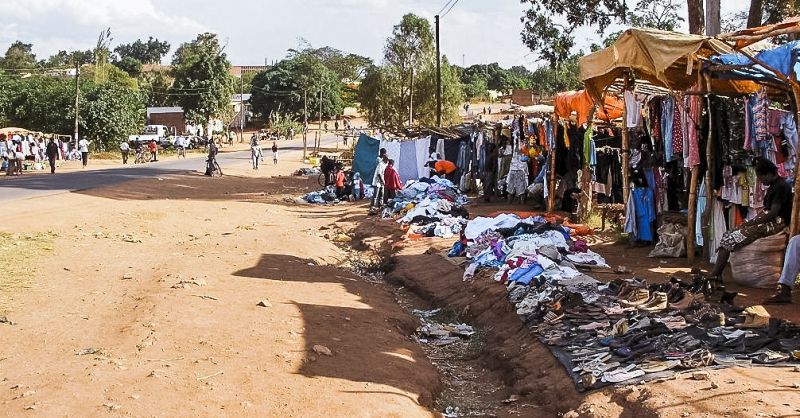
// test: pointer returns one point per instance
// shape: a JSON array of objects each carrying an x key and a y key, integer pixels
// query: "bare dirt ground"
[
  {"x": 143, "y": 302},
  {"x": 141, "y": 299}
]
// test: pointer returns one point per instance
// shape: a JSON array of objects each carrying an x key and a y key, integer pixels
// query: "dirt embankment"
[{"x": 532, "y": 373}]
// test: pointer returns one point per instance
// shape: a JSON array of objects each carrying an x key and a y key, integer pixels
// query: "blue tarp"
[
  {"x": 365, "y": 158},
  {"x": 782, "y": 58}
]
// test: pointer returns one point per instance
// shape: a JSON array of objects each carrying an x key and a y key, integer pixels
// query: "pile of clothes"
[
  {"x": 431, "y": 207},
  {"x": 326, "y": 196},
  {"x": 623, "y": 331},
  {"x": 308, "y": 171}
]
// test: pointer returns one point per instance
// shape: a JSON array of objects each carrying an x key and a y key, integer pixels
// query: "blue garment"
[
  {"x": 667, "y": 116},
  {"x": 365, "y": 158},
  {"x": 782, "y": 58},
  {"x": 645, "y": 213},
  {"x": 525, "y": 275}
]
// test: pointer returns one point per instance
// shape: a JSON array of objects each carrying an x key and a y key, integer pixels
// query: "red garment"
[
  {"x": 392, "y": 179},
  {"x": 153, "y": 146},
  {"x": 677, "y": 129},
  {"x": 340, "y": 179}
]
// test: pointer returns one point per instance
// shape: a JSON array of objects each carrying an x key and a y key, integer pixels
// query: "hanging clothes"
[
  {"x": 667, "y": 119},
  {"x": 407, "y": 168},
  {"x": 422, "y": 146},
  {"x": 645, "y": 213},
  {"x": 693, "y": 141},
  {"x": 633, "y": 110},
  {"x": 677, "y": 129},
  {"x": 392, "y": 150}
]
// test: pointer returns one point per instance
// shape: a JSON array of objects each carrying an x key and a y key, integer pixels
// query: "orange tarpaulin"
[{"x": 581, "y": 103}]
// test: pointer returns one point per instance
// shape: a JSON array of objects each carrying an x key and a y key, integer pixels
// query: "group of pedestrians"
[
  {"x": 37, "y": 151},
  {"x": 385, "y": 182},
  {"x": 257, "y": 154}
]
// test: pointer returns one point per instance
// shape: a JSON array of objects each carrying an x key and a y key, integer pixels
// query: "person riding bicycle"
[{"x": 212, "y": 157}]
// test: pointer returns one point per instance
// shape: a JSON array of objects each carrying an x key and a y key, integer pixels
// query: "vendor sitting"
[
  {"x": 443, "y": 168},
  {"x": 778, "y": 213}
]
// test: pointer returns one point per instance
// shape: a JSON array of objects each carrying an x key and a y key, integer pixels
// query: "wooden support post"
[
  {"x": 626, "y": 155},
  {"x": 709, "y": 187},
  {"x": 551, "y": 198},
  {"x": 794, "y": 229}
]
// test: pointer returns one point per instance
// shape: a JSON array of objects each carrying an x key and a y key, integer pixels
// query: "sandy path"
[{"x": 201, "y": 348}]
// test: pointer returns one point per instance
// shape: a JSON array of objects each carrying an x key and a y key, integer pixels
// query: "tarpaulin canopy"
[
  {"x": 666, "y": 59},
  {"x": 365, "y": 158},
  {"x": 749, "y": 36},
  {"x": 581, "y": 103},
  {"x": 783, "y": 59}
]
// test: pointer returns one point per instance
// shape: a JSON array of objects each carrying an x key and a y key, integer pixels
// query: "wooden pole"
[
  {"x": 551, "y": 198},
  {"x": 626, "y": 184},
  {"x": 709, "y": 187},
  {"x": 794, "y": 229}
]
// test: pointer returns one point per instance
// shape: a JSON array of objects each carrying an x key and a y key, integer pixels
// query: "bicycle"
[
  {"x": 212, "y": 166},
  {"x": 142, "y": 157}
]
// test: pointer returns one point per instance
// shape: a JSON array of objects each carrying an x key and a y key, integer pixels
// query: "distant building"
[
  {"x": 522, "y": 97},
  {"x": 238, "y": 70},
  {"x": 172, "y": 117}
]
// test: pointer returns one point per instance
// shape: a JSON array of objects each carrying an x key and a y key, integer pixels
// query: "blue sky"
[{"x": 477, "y": 31}]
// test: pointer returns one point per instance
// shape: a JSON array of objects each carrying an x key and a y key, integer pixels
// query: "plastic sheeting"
[{"x": 365, "y": 158}]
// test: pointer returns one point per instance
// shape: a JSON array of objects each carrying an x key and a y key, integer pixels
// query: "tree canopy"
[
  {"x": 280, "y": 90},
  {"x": 203, "y": 85},
  {"x": 19, "y": 56},
  {"x": 149, "y": 52},
  {"x": 404, "y": 87}
]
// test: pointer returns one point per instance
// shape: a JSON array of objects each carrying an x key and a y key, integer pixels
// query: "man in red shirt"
[{"x": 392, "y": 179}]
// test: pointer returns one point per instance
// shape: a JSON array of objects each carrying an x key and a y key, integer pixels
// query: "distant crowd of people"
[{"x": 21, "y": 151}]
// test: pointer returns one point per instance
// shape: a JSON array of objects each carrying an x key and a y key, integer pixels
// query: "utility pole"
[
  {"x": 319, "y": 143},
  {"x": 77, "y": 99},
  {"x": 305, "y": 123},
  {"x": 438, "y": 78},
  {"x": 241, "y": 108}
]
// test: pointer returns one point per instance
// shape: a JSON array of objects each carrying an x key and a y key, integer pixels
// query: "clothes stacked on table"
[
  {"x": 431, "y": 207},
  {"x": 623, "y": 331}
]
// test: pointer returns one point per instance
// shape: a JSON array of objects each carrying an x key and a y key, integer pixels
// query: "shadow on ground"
[{"x": 369, "y": 345}]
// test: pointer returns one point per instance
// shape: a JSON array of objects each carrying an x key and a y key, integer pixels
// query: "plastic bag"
[
  {"x": 759, "y": 264},
  {"x": 671, "y": 241}
]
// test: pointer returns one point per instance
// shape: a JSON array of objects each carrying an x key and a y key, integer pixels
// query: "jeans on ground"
[{"x": 791, "y": 263}]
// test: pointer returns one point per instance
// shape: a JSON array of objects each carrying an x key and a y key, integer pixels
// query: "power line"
[
  {"x": 451, "y": 8},
  {"x": 445, "y": 6}
]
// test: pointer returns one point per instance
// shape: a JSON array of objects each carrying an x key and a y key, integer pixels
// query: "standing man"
[
  {"x": 83, "y": 147},
  {"x": 274, "y": 152},
  {"x": 52, "y": 154},
  {"x": 378, "y": 181},
  {"x": 255, "y": 152},
  {"x": 124, "y": 148}
]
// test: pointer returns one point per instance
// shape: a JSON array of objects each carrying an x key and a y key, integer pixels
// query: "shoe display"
[{"x": 658, "y": 302}]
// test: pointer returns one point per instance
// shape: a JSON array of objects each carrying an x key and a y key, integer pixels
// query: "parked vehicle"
[{"x": 150, "y": 133}]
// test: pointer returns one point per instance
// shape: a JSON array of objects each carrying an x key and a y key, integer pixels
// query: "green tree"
[
  {"x": 150, "y": 52},
  {"x": 552, "y": 79},
  {"x": 346, "y": 66},
  {"x": 555, "y": 42},
  {"x": 475, "y": 88},
  {"x": 408, "y": 51},
  {"x": 109, "y": 113},
  {"x": 68, "y": 59},
  {"x": 130, "y": 65},
  {"x": 19, "y": 56},
  {"x": 280, "y": 90},
  {"x": 203, "y": 85},
  {"x": 156, "y": 87}
]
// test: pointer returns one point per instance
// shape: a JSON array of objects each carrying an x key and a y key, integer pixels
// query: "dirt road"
[{"x": 141, "y": 300}]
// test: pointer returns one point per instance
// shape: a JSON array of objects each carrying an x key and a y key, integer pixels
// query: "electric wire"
[
  {"x": 444, "y": 7},
  {"x": 451, "y": 8}
]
